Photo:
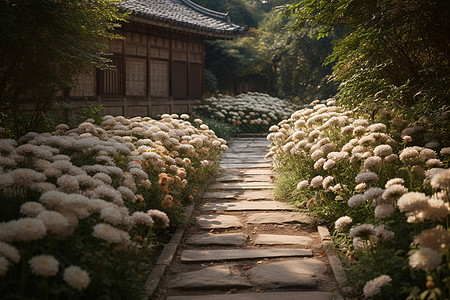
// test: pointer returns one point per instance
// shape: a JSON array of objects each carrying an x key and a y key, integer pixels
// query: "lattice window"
[
  {"x": 112, "y": 78},
  {"x": 159, "y": 78},
  {"x": 136, "y": 77}
]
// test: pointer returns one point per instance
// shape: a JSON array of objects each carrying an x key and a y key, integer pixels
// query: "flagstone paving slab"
[
  {"x": 218, "y": 221},
  {"x": 257, "y": 172},
  {"x": 222, "y": 277},
  {"x": 299, "y": 273},
  {"x": 241, "y": 186},
  {"x": 246, "y": 166},
  {"x": 230, "y": 178},
  {"x": 278, "y": 239},
  {"x": 235, "y": 254},
  {"x": 262, "y": 296},
  {"x": 235, "y": 239},
  {"x": 240, "y": 195},
  {"x": 279, "y": 218},
  {"x": 247, "y": 205}
]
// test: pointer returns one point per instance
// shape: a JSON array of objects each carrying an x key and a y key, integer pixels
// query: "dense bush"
[
  {"x": 384, "y": 197},
  {"x": 82, "y": 208},
  {"x": 249, "y": 112}
]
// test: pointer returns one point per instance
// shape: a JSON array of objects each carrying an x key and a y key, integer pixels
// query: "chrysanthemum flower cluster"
[
  {"x": 372, "y": 174},
  {"x": 252, "y": 111},
  {"x": 107, "y": 181}
]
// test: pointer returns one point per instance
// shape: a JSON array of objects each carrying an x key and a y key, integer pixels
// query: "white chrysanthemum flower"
[
  {"x": 436, "y": 210},
  {"x": 329, "y": 164},
  {"x": 10, "y": 252},
  {"x": 319, "y": 163},
  {"x": 28, "y": 229},
  {"x": 435, "y": 238},
  {"x": 112, "y": 215},
  {"x": 412, "y": 201},
  {"x": 317, "y": 154},
  {"x": 440, "y": 179},
  {"x": 108, "y": 193},
  {"x": 391, "y": 158},
  {"x": 373, "y": 162},
  {"x": 425, "y": 259},
  {"x": 159, "y": 217},
  {"x": 384, "y": 211},
  {"x": 373, "y": 193},
  {"x": 356, "y": 200},
  {"x": 382, "y": 150},
  {"x": 373, "y": 287},
  {"x": 44, "y": 265},
  {"x": 302, "y": 184},
  {"x": 54, "y": 221},
  {"x": 394, "y": 192},
  {"x": 409, "y": 155},
  {"x": 142, "y": 218},
  {"x": 433, "y": 163},
  {"x": 360, "y": 187},
  {"x": 31, "y": 208},
  {"x": 326, "y": 182},
  {"x": 107, "y": 233},
  {"x": 52, "y": 198},
  {"x": 367, "y": 177},
  {"x": 364, "y": 231},
  {"x": 76, "y": 278},
  {"x": 393, "y": 181},
  {"x": 316, "y": 181},
  {"x": 445, "y": 151},
  {"x": 342, "y": 222}
]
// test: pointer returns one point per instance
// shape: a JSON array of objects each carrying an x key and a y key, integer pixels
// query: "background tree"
[
  {"x": 44, "y": 44},
  {"x": 270, "y": 57},
  {"x": 395, "y": 54}
]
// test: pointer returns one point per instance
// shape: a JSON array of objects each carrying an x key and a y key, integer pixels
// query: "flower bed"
[
  {"x": 385, "y": 199},
  {"x": 249, "y": 112},
  {"x": 82, "y": 208}
]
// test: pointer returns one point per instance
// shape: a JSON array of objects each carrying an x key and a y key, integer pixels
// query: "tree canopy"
[
  {"x": 395, "y": 53},
  {"x": 44, "y": 44}
]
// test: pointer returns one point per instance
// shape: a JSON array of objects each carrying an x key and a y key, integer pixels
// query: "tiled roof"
[{"x": 184, "y": 13}]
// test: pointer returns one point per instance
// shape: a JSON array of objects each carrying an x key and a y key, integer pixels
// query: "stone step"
[
  {"x": 239, "y": 195},
  {"x": 279, "y": 218},
  {"x": 242, "y": 178},
  {"x": 241, "y": 186},
  {"x": 278, "y": 239},
  {"x": 218, "y": 222},
  {"x": 246, "y": 205},
  {"x": 234, "y": 239},
  {"x": 304, "y": 273},
  {"x": 245, "y": 165},
  {"x": 236, "y": 254},
  {"x": 257, "y": 172},
  {"x": 262, "y": 296},
  {"x": 217, "y": 277}
]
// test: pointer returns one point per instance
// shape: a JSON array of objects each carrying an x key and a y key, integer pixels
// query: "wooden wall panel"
[
  {"x": 136, "y": 77},
  {"x": 141, "y": 111},
  {"x": 159, "y": 78}
]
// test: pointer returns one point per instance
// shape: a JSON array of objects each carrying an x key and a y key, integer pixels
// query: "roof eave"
[{"x": 208, "y": 34}]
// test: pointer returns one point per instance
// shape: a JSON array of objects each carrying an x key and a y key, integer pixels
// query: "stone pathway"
[{"x": 243, "y": 244}]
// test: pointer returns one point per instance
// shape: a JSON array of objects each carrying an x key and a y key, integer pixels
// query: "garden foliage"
[
  {"x": 382, "y": 188},
  {"x": 83, "y": 208},
  {"x": 249, "y": 112}
]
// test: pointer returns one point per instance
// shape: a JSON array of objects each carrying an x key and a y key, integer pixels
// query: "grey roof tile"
[{"x": 184, "y": 13}]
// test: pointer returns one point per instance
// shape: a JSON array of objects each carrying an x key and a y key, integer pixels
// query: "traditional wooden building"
[{"x": 159, "y": 66}]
